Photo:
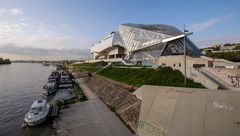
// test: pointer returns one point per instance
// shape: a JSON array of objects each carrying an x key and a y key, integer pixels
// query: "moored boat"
[
  {"x": 66, "y": 80},
  {"x": 55, "y": 76},
  {"x": 50, "y": 88},
  {"x": 38, "y": 113}
]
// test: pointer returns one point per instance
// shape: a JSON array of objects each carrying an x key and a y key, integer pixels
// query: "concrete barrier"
[
  {"x": 229, "y": 76},
  {"x": 172, "y": 111},
  {"x": 205, "y": 81}
]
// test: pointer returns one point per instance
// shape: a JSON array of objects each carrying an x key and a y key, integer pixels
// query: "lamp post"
[{"x": 185, "y": 62}]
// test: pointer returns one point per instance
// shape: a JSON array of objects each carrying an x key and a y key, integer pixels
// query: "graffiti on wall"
[
  {"x": 152, "y": 129},
  {"x": 235, "y": 80}
]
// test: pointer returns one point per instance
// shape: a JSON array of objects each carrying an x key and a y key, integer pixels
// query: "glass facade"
[{"x": 145, "y": 42}]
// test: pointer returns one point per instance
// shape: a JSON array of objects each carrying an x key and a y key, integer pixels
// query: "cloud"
[
  {"x": 206, "y": 24},
  {"x": 11, "y": 12},
  {"x": 21, "y": 38},
  {"x": 231, "y": 15},
  {"x": 40, "y": 35},
  {"x": 203, "y": 25},
  {"x": 15, "y": 52},
  {"x": 16, "y": 12},
  {"x": 7, "y": 28}
]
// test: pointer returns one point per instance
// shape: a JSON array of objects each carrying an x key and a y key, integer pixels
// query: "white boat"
[
  {"x": 50, "y": 87},
  {"x": 38, "y": 113}
]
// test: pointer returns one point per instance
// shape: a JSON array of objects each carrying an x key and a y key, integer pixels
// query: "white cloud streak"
[
  {"x": 16, "y": 12},
  {"x": 231, "y": 15},
  {"x": 203, "y": 25},
  {"x": 206, "y": 24},
  {"x": 11, "y": 12}
]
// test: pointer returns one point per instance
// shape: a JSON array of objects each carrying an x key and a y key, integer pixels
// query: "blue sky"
[{"x": 80, "y": 23}]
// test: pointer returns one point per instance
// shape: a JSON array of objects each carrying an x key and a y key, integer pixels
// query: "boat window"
[
  {"x": 34, "y": 110},
  {"x": 37, "y": 109},
  {"x": 40, "y": 109}
]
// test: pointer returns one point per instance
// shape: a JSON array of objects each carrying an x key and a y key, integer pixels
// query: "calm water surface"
[{"x": 20, "y": 85}]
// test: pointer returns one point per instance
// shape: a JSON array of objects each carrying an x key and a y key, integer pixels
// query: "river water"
[{"x": 20, "y": 85}]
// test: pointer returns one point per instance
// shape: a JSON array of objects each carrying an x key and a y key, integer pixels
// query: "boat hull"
[
  {"x": 35, "y": 122},
  {"x": 48, "y": 92}
]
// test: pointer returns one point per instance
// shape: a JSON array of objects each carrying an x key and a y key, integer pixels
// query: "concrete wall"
[
  {"x": 224, "y": 63},
  {"x": 172, "y": 111},
  {"x": 177, "y": 62},
  {"x": 200, "y": 78},
  {"x": 229, "y": 76}
]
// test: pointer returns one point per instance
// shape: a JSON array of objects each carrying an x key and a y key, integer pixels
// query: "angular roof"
[{"x": 159, "y": 28}]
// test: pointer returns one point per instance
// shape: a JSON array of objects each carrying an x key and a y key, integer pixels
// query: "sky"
[{"x": 65, "y": 26}]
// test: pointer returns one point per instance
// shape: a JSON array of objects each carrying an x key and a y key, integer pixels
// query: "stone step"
[
  {"x": 132, "y": 102},
  {"x": 126, "y": 107}
]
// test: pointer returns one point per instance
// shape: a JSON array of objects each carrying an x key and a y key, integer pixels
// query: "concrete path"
[
  {"x": 87, "y": 91},
  {"x": 89, "y": 118}
]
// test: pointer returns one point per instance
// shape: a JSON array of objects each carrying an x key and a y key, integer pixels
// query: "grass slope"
[
  {"x": 91, "y": 67},
  {"x": 146, "y": 76}
]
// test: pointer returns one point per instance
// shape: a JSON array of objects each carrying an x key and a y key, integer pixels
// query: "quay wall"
[
  {"x": 229, "y": 76},
  {"x": 125, "y": 104},
  {"x": 205, "y": 81}
]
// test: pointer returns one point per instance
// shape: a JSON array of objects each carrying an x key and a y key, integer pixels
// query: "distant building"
[
  {"x": 143, "y": 43},
  {"x": 222, "y": 48},
  {"x": 227, "y": 47}
]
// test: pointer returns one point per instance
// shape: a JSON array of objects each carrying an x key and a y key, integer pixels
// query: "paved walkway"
[
  {"x": 89, "y": 118},
  {"x": 87, "y": 91}
]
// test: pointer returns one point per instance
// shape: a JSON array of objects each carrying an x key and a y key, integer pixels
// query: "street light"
[{"x": 185, "y": 62}]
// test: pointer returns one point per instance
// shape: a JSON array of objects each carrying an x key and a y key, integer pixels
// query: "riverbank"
[
  {"x": 91, "y": 117},
  {"x": 104, "y": 88},
  {"x": 116, "y": 95},
  {"x": 114, "y": 85}
]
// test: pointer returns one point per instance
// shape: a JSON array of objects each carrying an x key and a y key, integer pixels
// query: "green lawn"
[
  {"x": 146, "y": 76},
  {"x": 165, "y": 76},
  {"x": 91, "y": 67}
]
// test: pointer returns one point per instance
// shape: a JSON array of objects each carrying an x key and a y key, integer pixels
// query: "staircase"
[
  {"x": 133, "y": 101},
  {"x": 108, "y": 65},
  {"x": 117, "y": 60}
]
